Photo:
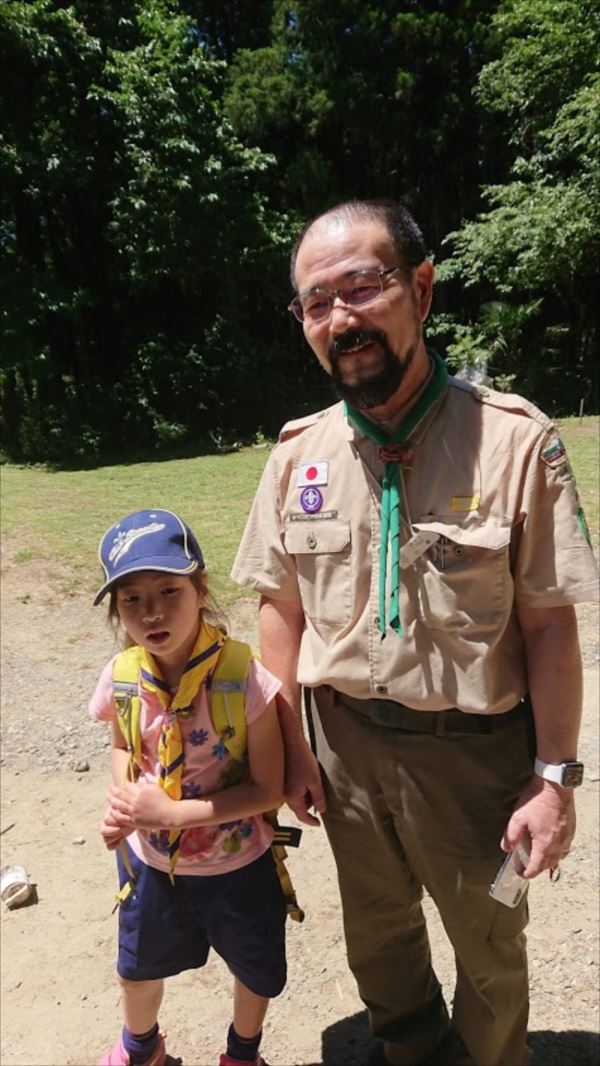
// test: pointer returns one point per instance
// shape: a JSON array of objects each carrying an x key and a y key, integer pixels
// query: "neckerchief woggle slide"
[
  {"x": 202, "y": 661},
  {"x": 391, "y": 501}
]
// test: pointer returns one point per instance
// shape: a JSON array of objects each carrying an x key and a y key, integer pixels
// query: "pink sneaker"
[
  {"x": 226, "y": 1060},
  {"x": 117, "y": 1056}
]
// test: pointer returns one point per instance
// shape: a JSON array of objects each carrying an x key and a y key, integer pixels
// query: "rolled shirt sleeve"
[
  {"x": 554, "y": 563},
  {"x": 262, "y": 562}
]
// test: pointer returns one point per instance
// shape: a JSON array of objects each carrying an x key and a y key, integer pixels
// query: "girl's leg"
[
  {"x": 141, "y": 1003},
  {"x": 243, "y": 1038},
  {"x": 140, "y": 1040},
  {"x": 249, "y": 1011}
]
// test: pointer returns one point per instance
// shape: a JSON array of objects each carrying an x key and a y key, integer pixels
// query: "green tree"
[
  {"x": 138, "y": 241},
  {"x": 369, "y": 99},
  {"x": 537, "y": 246}
]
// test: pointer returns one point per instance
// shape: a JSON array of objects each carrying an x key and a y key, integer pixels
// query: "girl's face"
[{"x": 161, "y": 612}]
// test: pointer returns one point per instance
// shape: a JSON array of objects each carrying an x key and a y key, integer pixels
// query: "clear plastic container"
[{"x": 15, "y": 886}]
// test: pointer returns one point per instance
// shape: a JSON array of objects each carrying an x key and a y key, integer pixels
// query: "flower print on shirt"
[
  {"x": 232, "y": 843},
  {"x": 197, "y": 737},
  {"x": 197, "y": 842},
  {"x": 159, "y": 839},
  {"x": 191, "y": 790},
  {"x": 232, "y": 773},
  {"x": 219, "y": 750}
]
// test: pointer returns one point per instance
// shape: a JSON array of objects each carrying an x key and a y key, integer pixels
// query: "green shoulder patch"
[{"x": 554, "y": 453}]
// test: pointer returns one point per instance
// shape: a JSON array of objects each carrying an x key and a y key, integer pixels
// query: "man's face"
[{"x": 369, "y": 349}]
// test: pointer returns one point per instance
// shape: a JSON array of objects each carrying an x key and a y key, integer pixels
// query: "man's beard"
[{"x": 376, "y": 390}]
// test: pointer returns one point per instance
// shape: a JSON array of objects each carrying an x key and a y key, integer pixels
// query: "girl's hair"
[{"x": 210, "y": 612}]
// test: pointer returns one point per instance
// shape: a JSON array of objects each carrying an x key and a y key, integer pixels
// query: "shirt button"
[
  {"x": 381, "y": 689},
  {"x": 311, "y": 540}
]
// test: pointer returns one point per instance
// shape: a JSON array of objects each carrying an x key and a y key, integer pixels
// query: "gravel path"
[{"x": 60, "y": 1000}]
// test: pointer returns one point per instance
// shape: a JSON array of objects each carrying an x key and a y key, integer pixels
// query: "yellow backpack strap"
[
  {"x": 228, "y": 704},
  {"x": 125, "y": 679},
  {"x": 285, "y": 835},
  {"x": 227, "y": 688}
]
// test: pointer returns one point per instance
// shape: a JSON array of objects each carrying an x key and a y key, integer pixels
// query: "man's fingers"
[
  {"x": 300, "y": 808},
  {"x": 535, "y": 865},
  {"x": 318, "y": 798},
  {"x": 303, "y": 816}
]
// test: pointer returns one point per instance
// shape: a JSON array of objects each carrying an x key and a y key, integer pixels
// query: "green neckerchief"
[{"x": 390, "y": 488}]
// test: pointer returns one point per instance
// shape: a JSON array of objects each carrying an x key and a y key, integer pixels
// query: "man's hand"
[
  {"x": 142, "y": 806},
  {"x": 303, "y": 788},
  {"x": 545, "y": 813}
]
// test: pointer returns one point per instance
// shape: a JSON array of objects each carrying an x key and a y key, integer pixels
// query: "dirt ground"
[{"x": 60, "y": 1001}]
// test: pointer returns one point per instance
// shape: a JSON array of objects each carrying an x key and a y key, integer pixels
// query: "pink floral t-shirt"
[{"x": 214, "y": 849}]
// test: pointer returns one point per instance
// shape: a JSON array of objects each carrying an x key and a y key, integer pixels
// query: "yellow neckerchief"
[{"x": 203, "y": 659}]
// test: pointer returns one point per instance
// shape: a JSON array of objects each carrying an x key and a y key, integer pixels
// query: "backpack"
[{"x": 227, "y": 694}]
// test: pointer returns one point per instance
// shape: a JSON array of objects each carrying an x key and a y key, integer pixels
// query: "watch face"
[{"x": 572, "y": 774}]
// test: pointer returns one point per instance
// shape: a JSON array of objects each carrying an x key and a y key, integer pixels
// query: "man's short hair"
[{"x": 404, "y": 232}]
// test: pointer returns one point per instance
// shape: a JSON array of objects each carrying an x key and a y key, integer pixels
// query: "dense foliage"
[
  {"x": 159, "y": 155},
  {"x": 533, "y": 255}
]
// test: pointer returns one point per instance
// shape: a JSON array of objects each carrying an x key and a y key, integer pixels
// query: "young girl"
[{"x": 198, "y": 846}]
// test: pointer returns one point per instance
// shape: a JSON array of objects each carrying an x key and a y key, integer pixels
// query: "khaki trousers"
[{"x": 406, "y": 810}]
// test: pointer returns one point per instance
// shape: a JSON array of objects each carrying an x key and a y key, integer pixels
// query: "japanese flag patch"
[{"x": 312, "y": 473}]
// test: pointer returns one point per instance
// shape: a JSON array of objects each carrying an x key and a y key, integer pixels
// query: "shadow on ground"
[{"x": 349, "y": 1043}]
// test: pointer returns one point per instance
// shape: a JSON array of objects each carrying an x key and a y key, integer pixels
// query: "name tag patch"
[{"x": 299, "y": 516}]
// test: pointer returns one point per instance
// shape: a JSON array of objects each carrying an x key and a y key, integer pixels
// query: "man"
[{"x": 418, "y": 548}]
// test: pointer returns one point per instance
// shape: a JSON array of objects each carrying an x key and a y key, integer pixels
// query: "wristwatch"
[{"x": 567, "y": 774}]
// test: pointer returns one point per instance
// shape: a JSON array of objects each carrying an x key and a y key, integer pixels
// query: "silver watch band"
[
  {"x": 549, "y": 771},
  {"x": 566, "y": 774}
]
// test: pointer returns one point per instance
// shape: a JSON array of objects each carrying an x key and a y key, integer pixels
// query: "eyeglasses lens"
[{"x": 316, "y": 305}]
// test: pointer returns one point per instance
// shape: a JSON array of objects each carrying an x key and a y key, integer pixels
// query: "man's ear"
[{"x": 422, "y": 282}]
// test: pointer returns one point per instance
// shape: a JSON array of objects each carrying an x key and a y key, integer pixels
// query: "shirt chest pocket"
[
  {"x": 464, "y": 581},
  {"x": 323, "y": 562}
]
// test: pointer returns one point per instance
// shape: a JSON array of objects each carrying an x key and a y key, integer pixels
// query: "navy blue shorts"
[{"x": 165, "y": 929}]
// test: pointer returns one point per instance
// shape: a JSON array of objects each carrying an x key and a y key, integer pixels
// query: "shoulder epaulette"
[
  {"x": 298, "y": 425},
  {"x": 506, "y": 401}
]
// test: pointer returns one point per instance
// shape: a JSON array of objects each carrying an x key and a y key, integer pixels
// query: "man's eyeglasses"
[{"x": 361, "y": 288}]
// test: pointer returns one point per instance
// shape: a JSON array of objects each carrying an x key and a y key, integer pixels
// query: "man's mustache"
[{"x": 353, "y": 339}]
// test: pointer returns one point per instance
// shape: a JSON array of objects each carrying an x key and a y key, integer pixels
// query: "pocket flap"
[
  {"x": 490, "y": 532},
  {"x": 314, "y": 537}
]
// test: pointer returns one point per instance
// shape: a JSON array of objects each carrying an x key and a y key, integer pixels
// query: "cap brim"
[{"x": 192, "y": 565}]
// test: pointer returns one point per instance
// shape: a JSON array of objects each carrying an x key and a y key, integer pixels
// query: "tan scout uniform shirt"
[{"x": 489, "y": 474}]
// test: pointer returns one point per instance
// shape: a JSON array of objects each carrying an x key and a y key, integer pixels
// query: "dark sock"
[
  {"x": 239, "y": 1047},
  {"x": 140, "y": 1046}
]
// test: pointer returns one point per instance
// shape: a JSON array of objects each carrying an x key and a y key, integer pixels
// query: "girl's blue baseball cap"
[{"x": 147, "y": 540}]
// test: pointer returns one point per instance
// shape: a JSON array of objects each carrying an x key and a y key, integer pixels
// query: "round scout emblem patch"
[{"x": 311, "y": 500}]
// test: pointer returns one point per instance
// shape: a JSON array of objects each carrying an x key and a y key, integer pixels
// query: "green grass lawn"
[{"x": 61, "y": 515}]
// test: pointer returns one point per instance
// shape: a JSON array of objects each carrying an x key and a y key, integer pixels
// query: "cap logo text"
[{"x": 123, "y": 540}]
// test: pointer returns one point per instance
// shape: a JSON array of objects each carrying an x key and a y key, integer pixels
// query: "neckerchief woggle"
[
  {"x": 391, "y": 502},
  {"x": 202, "y": 661}
]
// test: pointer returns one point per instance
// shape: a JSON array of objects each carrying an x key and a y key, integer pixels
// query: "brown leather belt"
[{"x": 394, "y": 715}]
